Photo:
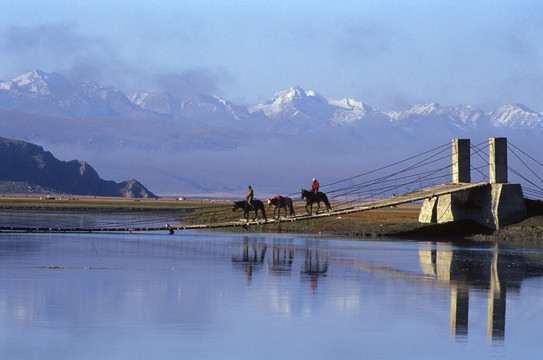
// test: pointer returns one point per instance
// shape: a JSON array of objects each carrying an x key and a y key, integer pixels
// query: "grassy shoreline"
[
  {"x": 65, "y": 203},
  {"x": 400, "y": 221}
]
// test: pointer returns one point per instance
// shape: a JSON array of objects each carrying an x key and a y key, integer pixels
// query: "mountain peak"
[
  {"x": 515, "y": 107},
  {"x": 351, "y": 104},
  {"x": 294, "y": 99},
  {"x": 38, "y": 82},
  {"x": 162, "y": 103},
  {"x": 517, "y": 116},
  {"x": 415, "y": 110},
  {"x": 296, "y": 92}
]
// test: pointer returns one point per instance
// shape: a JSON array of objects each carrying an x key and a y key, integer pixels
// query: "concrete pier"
[
  {"x": 494, "y": 205},
  {"x": 497, "y": 154},
  {"x": 461, "y": 161}
]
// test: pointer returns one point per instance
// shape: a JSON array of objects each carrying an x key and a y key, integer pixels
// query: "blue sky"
[{"x": 385, "y": 53}]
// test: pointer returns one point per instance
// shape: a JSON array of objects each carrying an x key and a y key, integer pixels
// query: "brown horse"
[
  {"x": 311, "y": 198},
  {"x": 257, "y": 205},
  {"x": 281, "y": 202}
]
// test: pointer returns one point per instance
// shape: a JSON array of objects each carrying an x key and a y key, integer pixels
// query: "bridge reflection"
[{"x": 463, "y": 270}]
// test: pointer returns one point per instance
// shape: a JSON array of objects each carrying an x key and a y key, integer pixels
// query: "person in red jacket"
[{"x": 315, "y": 186}]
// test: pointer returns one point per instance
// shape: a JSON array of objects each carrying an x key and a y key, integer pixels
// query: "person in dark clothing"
[{"x": 249, "y": 197}]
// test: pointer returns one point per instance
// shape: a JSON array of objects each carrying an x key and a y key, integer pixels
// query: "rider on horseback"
[
  {"x": 315, "y": 187},
  {"x": 249, "y": 197}
]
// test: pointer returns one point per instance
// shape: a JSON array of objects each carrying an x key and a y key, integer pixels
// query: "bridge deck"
[{"x": 370, "y": 205}]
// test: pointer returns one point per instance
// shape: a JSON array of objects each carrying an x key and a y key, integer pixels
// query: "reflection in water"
[
  {"x": 87, "y": 220},
  {"x": 252, "y": 256},
  {"x": 464, "y": 270},
  {"x": 212, "y": 295},
  {"x": 315, "y": 266},
  {"x": 282, "y": 258},
  {"x": 459, "y": 270}
]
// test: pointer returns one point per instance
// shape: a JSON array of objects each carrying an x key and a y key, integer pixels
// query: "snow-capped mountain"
[
  {"x": 204, "y": 142},
  {"x": 349, "y": 112},
  {"x": 37, "y": 82},
  {"x": 293, "y": 102},
  {"x": 463, "y": 116},
  {"x": 517, "y": 117},
  {"x": 161, "y": 103},
  {"x": 43, "y": 93},
  {"x": 212, "y": 110},
  {"x": 116, "y": 101},
  {"x": 291, "y": 111},
  {"x": 295, "y": 110}
]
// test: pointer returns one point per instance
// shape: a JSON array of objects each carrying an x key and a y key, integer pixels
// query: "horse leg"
[
  {"x": 290, "y": 208},
  {"x": 327, "y": 203},
  {"x": 318, "y": 207}
]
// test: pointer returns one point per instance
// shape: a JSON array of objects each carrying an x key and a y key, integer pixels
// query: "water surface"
[{"x": 212, "y": 295}]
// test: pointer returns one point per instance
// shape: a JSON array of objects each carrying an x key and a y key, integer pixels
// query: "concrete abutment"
[{"x": 493, "y": 205}]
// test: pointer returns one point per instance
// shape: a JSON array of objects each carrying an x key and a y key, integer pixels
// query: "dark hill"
[{"x": 25, "y": 166}]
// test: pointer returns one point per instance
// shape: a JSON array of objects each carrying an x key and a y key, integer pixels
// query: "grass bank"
[
  {"x": 113, "y": 204},
  {"x": 400, "y": 221}
]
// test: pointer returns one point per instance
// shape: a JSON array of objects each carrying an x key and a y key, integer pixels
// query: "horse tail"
[
  {"x": 264, "y": 214},
  {"x": 291, "y": 208},
  {"x": 326, "y": 202}
]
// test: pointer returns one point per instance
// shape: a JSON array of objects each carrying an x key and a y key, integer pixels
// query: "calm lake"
[{"x": 215, "y": 295}]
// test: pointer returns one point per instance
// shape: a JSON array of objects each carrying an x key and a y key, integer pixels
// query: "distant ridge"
[
  {"x": 202, "y": 144},
  {"x": 43, "y": 93},
  {"x": 27, "y": 168}
]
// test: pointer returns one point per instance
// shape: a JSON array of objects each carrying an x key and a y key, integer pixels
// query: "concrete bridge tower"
[{"x": 493, "y": 204}]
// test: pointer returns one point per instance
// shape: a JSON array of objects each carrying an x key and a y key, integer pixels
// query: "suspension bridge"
[{"x": 421, "y": 177}]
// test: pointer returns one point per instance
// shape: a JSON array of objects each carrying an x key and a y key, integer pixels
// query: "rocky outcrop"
[{"x": 28, "y": 164}]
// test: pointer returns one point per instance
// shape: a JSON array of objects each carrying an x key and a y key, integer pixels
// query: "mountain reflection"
[{"x": 463, "y": 270}]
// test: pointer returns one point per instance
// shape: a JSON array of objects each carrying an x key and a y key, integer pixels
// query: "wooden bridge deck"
[{"x": 370, "y": 205}]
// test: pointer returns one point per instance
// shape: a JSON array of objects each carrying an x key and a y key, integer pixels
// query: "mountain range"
[{"x": 204, "y": 144}]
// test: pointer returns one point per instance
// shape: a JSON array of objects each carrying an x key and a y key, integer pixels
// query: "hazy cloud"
[
  {"x": 363, "y": 40},
  {"x": 59, "y": 48},
  {"x": 48, "y": 39},
  {"x": 62, "y": 48},
  {"x": 52, "y": 45},
  {"x": 188, "y": 82}
]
